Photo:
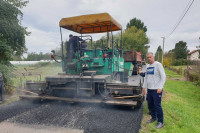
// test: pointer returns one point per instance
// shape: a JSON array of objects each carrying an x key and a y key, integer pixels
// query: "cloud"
[
  {"x": 41, "y": 41},
  {"x": 43, "y": 16}
]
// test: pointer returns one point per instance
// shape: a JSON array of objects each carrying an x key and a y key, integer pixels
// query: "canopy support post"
[
  {"x": 62, "y": 49},
  {"x": 121, "y": 45},
  {"x": 112, "y": 39},
  {"x": 61, "y": 43}
]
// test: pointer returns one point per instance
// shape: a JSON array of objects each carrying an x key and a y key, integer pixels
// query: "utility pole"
[
  {"x": 199, "y": 45},
  {"x": 163, "y": 48}
]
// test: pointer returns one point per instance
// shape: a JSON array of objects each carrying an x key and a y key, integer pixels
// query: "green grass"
[
  {"x": 180, "y": 67},
  {"x": 181, "y": 106},
  {"x": 40, "y": 68},
  {"x": 195, "y": 68},
  {"x": 177, "y": 67},
  {"x": 172, "y": 74},
  {"x": 34, "y": 72}
]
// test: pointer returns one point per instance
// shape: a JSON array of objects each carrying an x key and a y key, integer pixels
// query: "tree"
[
  {"x": 10, "y": 22},
  {"x": 103, "y": 41},
  {"x": 5, "y": 65},
  {"x": 37, "y": 57},
  {"x": 168, "y": 58},
  {"x": 158, "y": 55},
  {"x": 137, "y": 23},
  {"x": 5, "y": 51},
  {"x": 135, "y": 39},
  {"x": 180, "y": 50},
  {"x": 12, "y": 35},
  {"x": 17, "y": 58}
]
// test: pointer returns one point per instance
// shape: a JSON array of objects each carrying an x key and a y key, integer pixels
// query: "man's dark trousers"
[
  {"x": 2, "y": 91},
  {"x": 154, "y": 103}
]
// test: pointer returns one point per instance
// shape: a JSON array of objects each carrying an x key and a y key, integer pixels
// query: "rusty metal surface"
[
  {"x": 131, "y": 56},
  {"x": 112, "y": 102},
  {"x": 122, "y": 88},
  {"x": 34, "y": 86},
  {"x": 70, "y": 78},
  {"x": 77, "y": 76},
  {"x": 124, "y": 97}
]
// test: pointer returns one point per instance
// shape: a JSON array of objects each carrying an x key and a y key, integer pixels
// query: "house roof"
[{"x": 193, "y": 52}]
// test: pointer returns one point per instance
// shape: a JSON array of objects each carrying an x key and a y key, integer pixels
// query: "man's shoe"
[
  {"x": 159, "y": 125},
  {"x": 151, "y": 121},
  {"x": 149, "y": 113}
]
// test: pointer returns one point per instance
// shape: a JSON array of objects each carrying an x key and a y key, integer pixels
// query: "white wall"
[{"x": 195, "y": 56}]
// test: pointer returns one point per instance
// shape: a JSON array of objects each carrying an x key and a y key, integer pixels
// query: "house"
[{"x": 194, "y": 55}]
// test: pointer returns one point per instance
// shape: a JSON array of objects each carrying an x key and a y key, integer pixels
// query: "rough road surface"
[{"x": 62, "y": 117}]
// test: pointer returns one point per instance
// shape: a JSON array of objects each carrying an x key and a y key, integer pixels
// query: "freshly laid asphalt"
[
  {"x": 92, "y": 118},
  {"x": 88, "y": 118}
]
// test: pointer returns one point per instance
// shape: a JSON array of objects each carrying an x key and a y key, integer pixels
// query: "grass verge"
[
  {"x": 181, "y": 107},
  {"x": 33, "y": 73}
]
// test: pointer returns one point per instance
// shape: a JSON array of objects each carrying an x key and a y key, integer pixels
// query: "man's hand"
[
  {"x": 144, "y": 91},
  {"x": 140, "y": 70},
  {"x": 159, "y": 90}
]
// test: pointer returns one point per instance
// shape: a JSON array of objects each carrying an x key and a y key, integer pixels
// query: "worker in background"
[
  {"x": 74, "y": 45},
  {"x": 74, "y": 40},
  {"x": 154, "y": 81},
  {"x": 2, "y": 90}
]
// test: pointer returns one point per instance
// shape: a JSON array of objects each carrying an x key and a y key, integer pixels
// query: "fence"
[{"x": 191, "y": 73}]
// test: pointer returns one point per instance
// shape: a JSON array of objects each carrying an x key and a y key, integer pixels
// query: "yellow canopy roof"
[{"x": 93, "y": 23}]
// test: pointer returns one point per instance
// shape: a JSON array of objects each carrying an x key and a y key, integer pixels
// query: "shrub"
[
  {"x": 7, "y": 74},
  {"x": 194, "y": 77},
  {"x": 5, "y": 66},
  {"x": 180, "y": 62},
  {"x": 40, "y": 64},
  {"x": 167, "y": 62}
]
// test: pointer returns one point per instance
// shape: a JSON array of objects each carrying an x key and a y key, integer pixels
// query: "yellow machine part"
[{"x": 93, "y": 23}]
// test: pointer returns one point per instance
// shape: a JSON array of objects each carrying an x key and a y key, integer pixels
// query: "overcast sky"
[{"x": 42, "y": 19}]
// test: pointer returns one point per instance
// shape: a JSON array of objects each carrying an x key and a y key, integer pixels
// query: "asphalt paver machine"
[{"x": 90, "y": 74}]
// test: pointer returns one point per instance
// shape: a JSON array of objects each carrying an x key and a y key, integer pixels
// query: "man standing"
[
  {"x": 2, "y": 91},
  {"x": 154, "y": 81}
]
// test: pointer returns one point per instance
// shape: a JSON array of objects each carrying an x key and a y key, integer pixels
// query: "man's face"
[{"x": 150, "y": 58}]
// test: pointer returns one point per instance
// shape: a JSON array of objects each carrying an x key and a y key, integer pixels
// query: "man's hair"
[
  {"x": 149, "y": 53},
  {"x": 70, "y": 35}
]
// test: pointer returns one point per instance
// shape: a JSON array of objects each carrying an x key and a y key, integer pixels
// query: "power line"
[
  {"x": 182, "y": 14},
  {"x": 181, "y": 18}
]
